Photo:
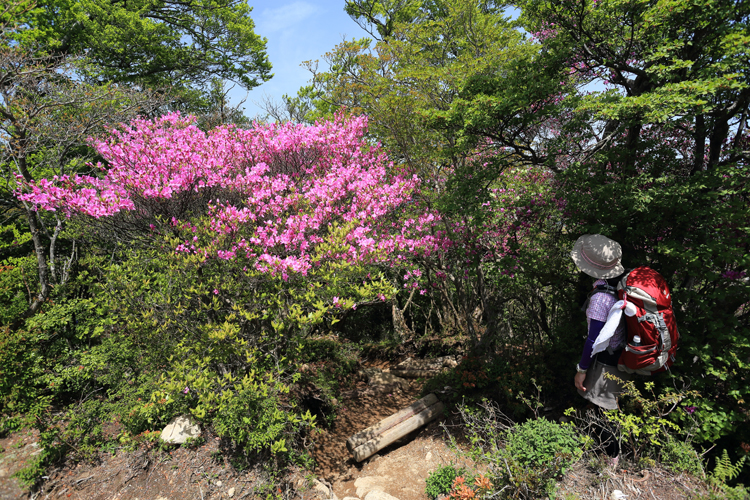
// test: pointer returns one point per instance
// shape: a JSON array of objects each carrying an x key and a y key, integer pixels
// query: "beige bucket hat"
[{"x": 598, "y": 256}]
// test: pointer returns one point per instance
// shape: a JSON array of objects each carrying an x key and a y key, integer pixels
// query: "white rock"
[
  {"x": 230, "y": 492},
  {"x": 379, "y": 495},
  {"x": 350, "y": 498},
  {"x": 428, "y": 457},
  {"x": 618, "y": 495},
  {"x": 179, "y": 430},
  {"x": 365, "y": 485}
]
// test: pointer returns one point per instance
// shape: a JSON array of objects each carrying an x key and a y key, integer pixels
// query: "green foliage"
[
  {"x": 643, "y": 422},
  {"x": 176, "y": 336},
  {"x": 379, "y": 18},
  {"x": 60, "y": 433},
  {"x": 18, "y": 279},
  {"x": 40, "y": 361},
  {"x": 524, "y": 460},
  {"x": 156, "y": 45},
  {"x": 21, "y": 369},
  {"x": 440, "y": 481},
  {"x": 252, "y": 419},
  {"x": 31, "y": 473},
  {"x": 725, "y": 470},
  {"x": 680, "y": 457},
  {"x": 414, "y": 72},
  {"x": 539, "y": 442},
  {"x": 730, "y": 493},
  {"x": 159, "y": 335}
]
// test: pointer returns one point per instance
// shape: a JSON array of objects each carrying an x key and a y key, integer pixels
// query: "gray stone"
[{"x": 179, "y": 430}]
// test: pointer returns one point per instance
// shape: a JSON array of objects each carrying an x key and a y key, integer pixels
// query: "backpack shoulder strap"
[{"x": 606, "y": 288}]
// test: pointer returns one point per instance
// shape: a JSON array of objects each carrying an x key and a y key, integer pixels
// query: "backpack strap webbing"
[{"x": 606, "y": 288}]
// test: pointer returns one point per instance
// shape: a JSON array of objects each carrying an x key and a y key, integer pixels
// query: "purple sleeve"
[{"x": 595, "y": 326}]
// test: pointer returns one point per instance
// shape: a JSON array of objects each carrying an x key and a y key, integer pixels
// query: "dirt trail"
[{"x": 400, "y": 469}]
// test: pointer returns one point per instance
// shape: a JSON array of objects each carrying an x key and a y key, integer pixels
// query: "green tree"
[
  {"x": 155, "y": 44},
  {"x": 658, "y": 160},
  {"x": 404, "y": 80},
  {"x": 46, "y": 115},
  {"x": 380, "y": 18},
  {"x": 68, "y": 69},
  {"x": 409, "y": 84}
]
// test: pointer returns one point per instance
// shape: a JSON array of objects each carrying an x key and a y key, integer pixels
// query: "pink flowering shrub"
[
  {"x": 275, "y": 192},
  {"x": 227, "y": 248},
  {"x": 293, "y": 202}
]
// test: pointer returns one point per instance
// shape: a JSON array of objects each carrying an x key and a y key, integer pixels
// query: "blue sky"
[{"x": 296, "y": 30}]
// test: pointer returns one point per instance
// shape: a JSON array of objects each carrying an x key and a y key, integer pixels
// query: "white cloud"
[{"x": 285, "y": 17}]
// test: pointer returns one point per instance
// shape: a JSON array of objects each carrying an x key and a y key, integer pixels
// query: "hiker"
[{"x": 599, "y": 257}]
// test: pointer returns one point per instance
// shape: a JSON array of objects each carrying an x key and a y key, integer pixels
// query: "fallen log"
[
  {"x": 398, "y": 431},
  {"x": 373, "y": 431}
]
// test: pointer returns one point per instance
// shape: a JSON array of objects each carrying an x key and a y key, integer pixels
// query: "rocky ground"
[{"x": 398, "y": 471}]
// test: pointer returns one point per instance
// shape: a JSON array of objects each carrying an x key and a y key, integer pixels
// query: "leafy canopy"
[{"x": 149, "y": 43}]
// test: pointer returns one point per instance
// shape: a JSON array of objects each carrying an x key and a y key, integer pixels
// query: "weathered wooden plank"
[
  {"x": 397, "y": 431},
  {"x": 375, "y": 430}
]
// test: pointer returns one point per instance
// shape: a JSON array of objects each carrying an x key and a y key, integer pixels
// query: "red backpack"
[{"x": 653, "y": 322}]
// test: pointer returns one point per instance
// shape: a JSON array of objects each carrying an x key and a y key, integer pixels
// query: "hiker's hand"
[{"x": 580, "y": 377}]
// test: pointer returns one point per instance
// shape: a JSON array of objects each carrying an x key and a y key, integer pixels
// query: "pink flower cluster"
[{"x": 283, "y": 190}]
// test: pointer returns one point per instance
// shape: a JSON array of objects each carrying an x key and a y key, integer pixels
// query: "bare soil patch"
[
  {"x": 15, "y": 451},
  {"x": 657, "y": 483}
]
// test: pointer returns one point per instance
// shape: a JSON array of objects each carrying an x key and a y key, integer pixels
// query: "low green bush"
[
  {"x": 680, "y": 456},
  {"x": 539, "y": 442},
  {"x": 523, "y": 460},
  {"x": 440, "y": 481}
]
